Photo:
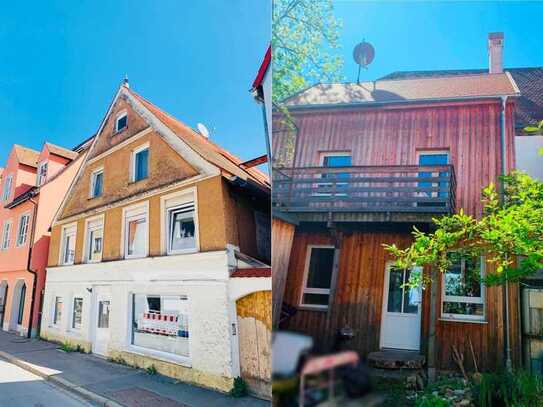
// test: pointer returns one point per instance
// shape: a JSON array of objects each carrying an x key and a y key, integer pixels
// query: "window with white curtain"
[
  {"x": 94, "y": 240},
  {"x": 136, "y": 233},
  {"x": 67, "y": 254}
]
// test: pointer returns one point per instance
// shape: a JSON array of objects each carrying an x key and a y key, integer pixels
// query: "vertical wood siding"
[
  {"x": 282, "y": 237},
  {"x": 358, "y": 301},
  {"x": 469, "y": 130}
]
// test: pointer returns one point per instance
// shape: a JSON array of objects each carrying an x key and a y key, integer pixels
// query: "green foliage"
[
  {"x": 67, "y": 347},
  {"x": 537, "y": 129},
  {"x": 431, "y": 401},
  {"x": 304, "y": 40},
  {"x": 509, "y": 389},
  {"x": 151, "y": 370},
  {"x": 509, "y": 234},
  {"x": 119, "y": 360},
  {"x": 239, "y": 389}
]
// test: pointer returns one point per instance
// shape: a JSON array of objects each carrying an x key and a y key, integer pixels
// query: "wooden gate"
[
  {"x": 532, "y": 329},
  {"x": 254, "y": 322}
]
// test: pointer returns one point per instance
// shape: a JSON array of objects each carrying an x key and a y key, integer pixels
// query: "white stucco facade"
[
  {"x": 204, "y": 278},
  {"x": 527, "y": 155}
]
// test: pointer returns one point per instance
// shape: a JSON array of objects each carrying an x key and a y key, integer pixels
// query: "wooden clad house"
[
  {"x": 368, "y": 162},
  {"x": 159, "y": 253}
]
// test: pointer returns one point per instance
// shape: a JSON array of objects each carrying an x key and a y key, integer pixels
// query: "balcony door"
[
  {"x": 401, "y": 317},
  {"x": 334, "y": 160},
  {"x": 427, "y": 158}
]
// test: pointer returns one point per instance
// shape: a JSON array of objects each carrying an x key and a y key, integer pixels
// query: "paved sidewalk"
[{"x": 108, "y": 383}]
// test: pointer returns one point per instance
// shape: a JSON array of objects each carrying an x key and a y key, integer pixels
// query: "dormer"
[{"x": 51, "y": 161}]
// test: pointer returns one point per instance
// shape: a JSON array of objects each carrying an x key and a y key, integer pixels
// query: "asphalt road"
[{"x": 19, "y": 388}]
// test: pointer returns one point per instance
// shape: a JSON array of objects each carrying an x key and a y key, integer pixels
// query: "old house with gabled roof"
[
  {"x": 368, "y": 162},
  {"x": 33, "y": 185},
  {"x": 160, "y": 249}
]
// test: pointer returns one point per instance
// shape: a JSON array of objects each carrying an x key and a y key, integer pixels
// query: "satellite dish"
[
  {"x": 363, "y": 55},
  {"x": 203, "y": 130}
]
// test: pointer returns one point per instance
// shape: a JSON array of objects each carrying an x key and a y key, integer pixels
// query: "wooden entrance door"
[{"x": 254, "y": 323}]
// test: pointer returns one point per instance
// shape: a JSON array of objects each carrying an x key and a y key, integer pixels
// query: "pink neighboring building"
[{"x": 32, "y": 186}]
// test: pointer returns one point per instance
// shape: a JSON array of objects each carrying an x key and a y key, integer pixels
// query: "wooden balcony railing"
[{"x": 385, "y": 189}]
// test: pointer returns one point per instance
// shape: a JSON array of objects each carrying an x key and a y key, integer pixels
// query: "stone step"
[{"x": 396, "y": 359}]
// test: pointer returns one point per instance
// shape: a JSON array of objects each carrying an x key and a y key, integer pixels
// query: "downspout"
[
  {"x": 29, "y": 268},
  {"x": 503, "y": 129}
]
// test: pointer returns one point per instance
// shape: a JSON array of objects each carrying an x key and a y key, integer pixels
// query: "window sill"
[
  {"x": 313, "y": 308},
  {"x": 133, "y": 182},
  {"x": 464, "y": 320},
  {"x": 161, "y": 356},
  {"x": 90, "y": 198},
  {"x": 120, "y": 131},
  {"x": 181, "y": 252}
]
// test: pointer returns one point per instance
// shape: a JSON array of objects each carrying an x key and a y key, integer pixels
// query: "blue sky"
[
  {"x": 438, "y": 35},
  {"x": 61, "y": 62}
]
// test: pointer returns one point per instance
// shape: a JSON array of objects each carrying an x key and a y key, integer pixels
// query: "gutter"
[
  {"x": 29, "y": 269},
  {"x": 394, "y": 102},
  {"x": 503, "y": 148}
]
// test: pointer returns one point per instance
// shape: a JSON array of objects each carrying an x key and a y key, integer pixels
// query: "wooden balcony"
[{"x": 398, "y": 193}]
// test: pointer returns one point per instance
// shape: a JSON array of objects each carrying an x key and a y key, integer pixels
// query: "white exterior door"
[
  {"x": 401, "y": 320},
  {"x": 101, "y": 321}
]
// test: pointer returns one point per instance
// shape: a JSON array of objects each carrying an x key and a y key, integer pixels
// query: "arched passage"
[
  {"x": 17, "y": 305},
  {"x": 3, "y": 300}
]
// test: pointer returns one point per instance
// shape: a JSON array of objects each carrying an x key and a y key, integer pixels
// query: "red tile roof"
[
  {"x": 252, "y": 272},
  {"x": 227, "y": 162},
  {"x": 529, "y": 107},
  {"x": 406, "y": 90}
]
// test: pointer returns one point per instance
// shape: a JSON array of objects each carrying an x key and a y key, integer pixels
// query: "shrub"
[
  {"x": 517, "y": 389},
  {"x": 151, "y": 370},
  {"x": 239, "y": 389}
]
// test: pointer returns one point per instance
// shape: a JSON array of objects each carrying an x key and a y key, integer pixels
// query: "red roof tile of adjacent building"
[
  {"x": 210, "y": 151},
  {"x": 61, "y": 151},
  {"x": 26, "y": 156},
  {"x": 252, "y": 272},
  {"x": 263, "y": 69},
  {"x": 406, "y": 90}
]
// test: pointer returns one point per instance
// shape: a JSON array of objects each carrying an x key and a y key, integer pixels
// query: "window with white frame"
[
  {"x": 161, "y": 323},
  {"x": 463, "y": 290},
  {"x": 140, "y": 163},
  {"x": 318, "y": 276},
  {"x": 67, "y": 247},
  {"x": 97, "y": 183},
  {"x": 42, "y": 173},
  {"x": 136, "y": 233},
  {"x": 77, "y": 314},
  {"x": 57, "y": 311},
  {"x": 6, "y": 235},
  {"x": 22, "y": 232},
  {"x": 94, "y": 240},
  {"x": 181, "y": 228},
  {"x": 6, "y": 190},
  {"x": 121, "y": 122}
]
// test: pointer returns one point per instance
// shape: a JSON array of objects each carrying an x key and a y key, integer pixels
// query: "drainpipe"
[
  {"x": 29, "y": 268},
  {"x": 508, "y": 363}
]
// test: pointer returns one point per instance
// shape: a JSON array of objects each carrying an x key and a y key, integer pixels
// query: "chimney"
[{"x": 495, "y": 52}]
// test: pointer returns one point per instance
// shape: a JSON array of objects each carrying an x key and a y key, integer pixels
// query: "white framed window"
[
  {"x": 67, "y": 247},
  {"x": 121, "y": 122},
  {"x": 6, "y": 235},
  {"x": 22, "y": 232},
  {"x": 6, "y": 189},
  {"x": 77, "y": 313},
  {"x": 97, "y": 183},
  {"x": 319, "y": 270},
  {"x": 94, "y": 239},
  {"x": 463, "y": 292},
  {"x": 160, "y": 323},
  {"x": 42, "y": 173},
  {"x": 179, "y": 231},
  {"x": 136, "y": 232},
  {"x": 57, "y": 311},
  {"x": 140, "y": 163}
]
